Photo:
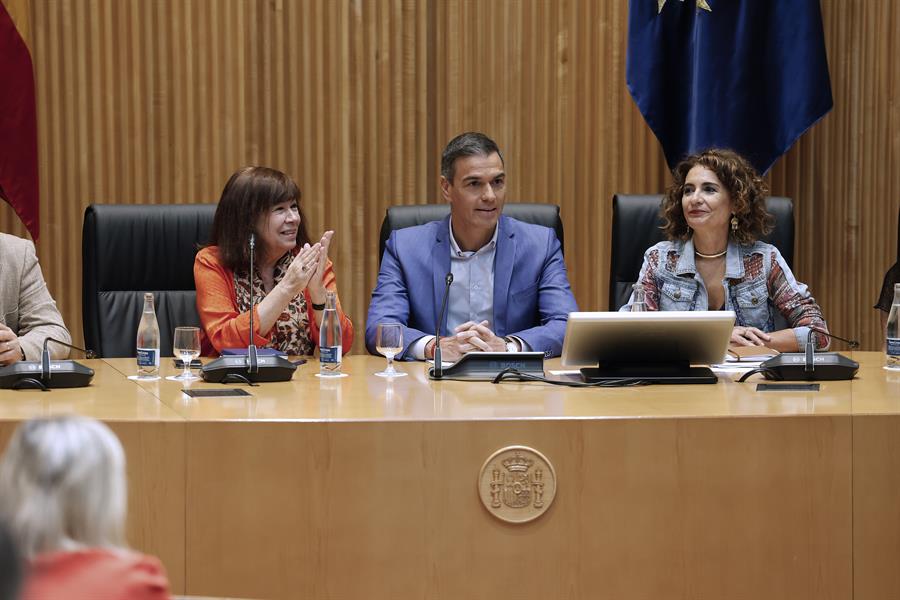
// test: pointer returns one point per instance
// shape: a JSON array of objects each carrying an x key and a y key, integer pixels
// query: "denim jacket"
[{"x": 758, "y": 285}]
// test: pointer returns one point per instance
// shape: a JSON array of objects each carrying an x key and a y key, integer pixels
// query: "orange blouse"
[
  {"x": 225, "y": 327},
  {"x": 96, "y": 573}
]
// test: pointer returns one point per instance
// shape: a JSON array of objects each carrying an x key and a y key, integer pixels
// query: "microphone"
[
  {"x": 253, "y": 363},
  {"x": 45, "y": 373},
  {"x": 45, "y": 355},
  {"x": 480, "y": 365},
  {"x": 809, "y": 365},
  {"x": 438, "y": 370},
  {"x": 254, "y": 367}
]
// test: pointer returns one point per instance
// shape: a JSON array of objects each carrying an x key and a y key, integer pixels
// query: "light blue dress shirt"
[
  {"x": 471, "y": 295},
  {"x": 472, "y": 291}
]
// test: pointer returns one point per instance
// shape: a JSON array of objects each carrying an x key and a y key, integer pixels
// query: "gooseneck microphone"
[
  {"x": 438, "y": 371},
  {"x": 252, "y": 360},
  {"x": 480, "y": 365},
  {"x": 89, "y": 354},
  {"x": 45, "y": 355},
  {"x": 810, "y": 364}
]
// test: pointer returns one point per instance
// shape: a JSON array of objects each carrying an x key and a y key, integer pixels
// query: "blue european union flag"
[{"x": 750, "y": 75}]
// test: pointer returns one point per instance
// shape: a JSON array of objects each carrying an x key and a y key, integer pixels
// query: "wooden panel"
[
  {"x": 156, "y": 494},
  {"x": 20, "y": 13},
  {"x": 547, "y": 81},
  {"x": 700, "y": 508},
  {"x": 110, "y": 397},
  {"x": 842, "y": 174},
  {"x": 876, "y": 391},
  {"x": 876, "y": 517},
  {"x": 684, "y": 497},
  {"x": 160, "y": 101}
]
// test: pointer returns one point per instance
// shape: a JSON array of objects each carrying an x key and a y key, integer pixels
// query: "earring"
[{"x": 734, "y": 223}]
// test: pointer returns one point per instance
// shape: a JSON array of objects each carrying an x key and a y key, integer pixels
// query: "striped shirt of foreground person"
[{"x": 63, "y": 493}]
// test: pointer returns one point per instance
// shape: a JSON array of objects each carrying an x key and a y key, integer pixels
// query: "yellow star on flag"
[{"x": 700, "y": 4}]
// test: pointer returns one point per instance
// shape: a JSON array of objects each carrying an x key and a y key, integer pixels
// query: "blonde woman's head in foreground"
[{"x": 63, "y": 487}]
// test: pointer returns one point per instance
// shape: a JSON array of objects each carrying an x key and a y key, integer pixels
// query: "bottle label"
[
  {"x": 893, "y": 347},
  {"x": 330, "y": 354},
  {"x": 147, "y": 357}
]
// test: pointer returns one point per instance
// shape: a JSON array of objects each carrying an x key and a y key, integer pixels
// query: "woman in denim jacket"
[{"x": 713, "y": 260}]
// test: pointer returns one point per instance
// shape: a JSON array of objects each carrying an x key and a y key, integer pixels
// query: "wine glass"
[
  {"x": 186, "y": 344},
  {"x": 389, "y": 341}
]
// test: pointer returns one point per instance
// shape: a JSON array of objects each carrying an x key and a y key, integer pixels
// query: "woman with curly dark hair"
[{"x": 714, "y": 260}]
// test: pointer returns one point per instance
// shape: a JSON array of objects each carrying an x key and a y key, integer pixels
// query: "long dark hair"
[
  {"x": 747, "y": 189},
  {"x": 249, "y": 194}
]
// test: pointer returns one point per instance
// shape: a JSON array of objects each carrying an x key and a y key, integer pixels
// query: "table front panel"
[{"x": 676, "y": 508}]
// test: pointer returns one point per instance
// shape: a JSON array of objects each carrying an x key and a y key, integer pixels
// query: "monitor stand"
[{"x": 665, "y": 373}]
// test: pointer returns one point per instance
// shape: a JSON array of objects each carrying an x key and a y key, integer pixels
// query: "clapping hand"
[
  {"x": 317, "y": 281},
  {"x": 303, "y": 268}
]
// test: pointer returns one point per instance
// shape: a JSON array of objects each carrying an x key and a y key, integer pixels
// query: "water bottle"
[
  {"x": 637, "y": 305},
  {"x": 892, "y": 347},
  {"x": 330, "y": 339},
  {"x": 148, "y": 341}
]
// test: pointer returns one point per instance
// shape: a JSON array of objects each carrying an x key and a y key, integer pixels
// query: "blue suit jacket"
[{"x": 532, "y": 297}]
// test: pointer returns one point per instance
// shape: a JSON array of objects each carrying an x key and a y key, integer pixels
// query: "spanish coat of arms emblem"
[{"x": 517, "y": 484}]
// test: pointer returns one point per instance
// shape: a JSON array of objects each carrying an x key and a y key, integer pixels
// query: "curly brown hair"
[{"x": 747, "y": 189}]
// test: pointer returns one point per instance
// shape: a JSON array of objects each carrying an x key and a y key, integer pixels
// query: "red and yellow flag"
[{"x": 18, "y": 120}]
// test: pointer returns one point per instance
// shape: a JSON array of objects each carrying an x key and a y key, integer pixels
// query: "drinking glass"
[
  {"x": 186, "y": 346},
  {"x": 389, "y": 341}
]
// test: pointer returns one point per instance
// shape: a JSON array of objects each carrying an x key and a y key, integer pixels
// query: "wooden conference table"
[{"x": 366, "y": 487}]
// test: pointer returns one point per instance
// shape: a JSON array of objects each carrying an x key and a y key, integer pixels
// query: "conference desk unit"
[{"x": 366, "y": 487}]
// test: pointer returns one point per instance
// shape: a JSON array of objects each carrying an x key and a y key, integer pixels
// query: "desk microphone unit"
[
  {"x": 809, "y": 365},
  {"x": 237, "y": 369},
  {"x": 479, "y": 366},
  {"x": 253, "y": 368},
  {"x": 485, "y": 366},
  {"x": 46, "y": 374}
]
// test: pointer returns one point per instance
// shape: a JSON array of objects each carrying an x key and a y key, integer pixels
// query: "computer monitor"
[{"x": 656, "y": 347}]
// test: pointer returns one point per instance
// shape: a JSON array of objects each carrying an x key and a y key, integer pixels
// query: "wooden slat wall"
[
  {"x": 160, "y": 101},
  {"x": 844, "y": 174}
]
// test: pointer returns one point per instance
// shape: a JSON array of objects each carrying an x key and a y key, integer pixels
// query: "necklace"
[{"x": 717, "y": 255}]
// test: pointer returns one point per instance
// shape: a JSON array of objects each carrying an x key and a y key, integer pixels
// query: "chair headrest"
[
  {"x": 144, "y": 246},
  {"x": 636, "y": 226},
  {"x": 409, "y": 215}
]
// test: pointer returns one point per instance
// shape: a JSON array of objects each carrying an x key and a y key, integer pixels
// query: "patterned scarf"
[{"x": 291, "y": 331}]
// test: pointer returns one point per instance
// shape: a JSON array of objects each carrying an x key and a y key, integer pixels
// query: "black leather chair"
[
  {"x": 886, "y": 298},
  {"x": 402, "y": 216},
  {"x": 129, "y": 249},
  {"x": 636, "y": 224},
  {"x": 898, "y": 236}
]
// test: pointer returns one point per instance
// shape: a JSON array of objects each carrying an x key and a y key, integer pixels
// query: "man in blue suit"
[{"x": 510, "y": 290}]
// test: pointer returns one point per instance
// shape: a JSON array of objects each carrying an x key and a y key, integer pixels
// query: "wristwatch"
[{"x": 511, "y": 345}]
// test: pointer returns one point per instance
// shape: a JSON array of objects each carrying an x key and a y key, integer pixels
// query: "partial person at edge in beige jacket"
[{"x": 28, "y": 313}]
